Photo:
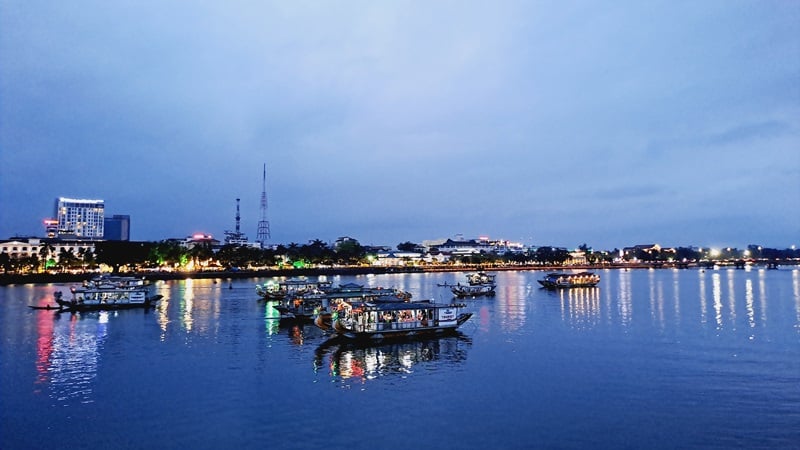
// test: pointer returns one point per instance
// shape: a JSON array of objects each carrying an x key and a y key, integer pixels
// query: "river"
[{"x": 649, "y": 359}]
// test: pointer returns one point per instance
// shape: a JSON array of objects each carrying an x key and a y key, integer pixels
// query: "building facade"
[
  {"x": 117, "y": 228},
  {"x": 80, "y": 217}
]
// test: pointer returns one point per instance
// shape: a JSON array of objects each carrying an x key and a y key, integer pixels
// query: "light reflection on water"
[
  {"x": 580, "y": 307},
  {"x": 796, "y": 291},
  {"x": 357, "y": 363},
  {"x": 69, "y": 349}
]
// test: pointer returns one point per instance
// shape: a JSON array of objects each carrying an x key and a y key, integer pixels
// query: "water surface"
[{"x": 649, "y": 359}]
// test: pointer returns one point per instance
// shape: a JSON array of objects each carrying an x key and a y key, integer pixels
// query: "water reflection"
[
  {"x": 625, "y": 298},
  {"x": 512, "y": 300},
  {"x": 716, "y": 294},
  {"x": 580, "y": 307},
  {"x": 271, "y": 318},
  {"x": 357, "y": 363},
  {"x": 68, "y": 353},
  {"x": 796, "y": 291}
]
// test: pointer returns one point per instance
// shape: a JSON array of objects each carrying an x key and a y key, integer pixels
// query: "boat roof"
[
  {"x": 568, "y": 274},
  {"x": 403, "y": 306}
]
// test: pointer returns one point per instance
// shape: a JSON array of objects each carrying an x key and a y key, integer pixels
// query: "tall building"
[
  {"x": 51, "y": 227},
  {"x": 80, "y": 217},
  {"x": 117, "y": 228}
]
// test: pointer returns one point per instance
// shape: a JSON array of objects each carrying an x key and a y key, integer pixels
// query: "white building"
[
  {"x": 80, "y": 217},
  {"x": 27, "y": 247}
]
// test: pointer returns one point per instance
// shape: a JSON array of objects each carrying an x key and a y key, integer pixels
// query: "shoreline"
[{"x": 15, "y": 279}]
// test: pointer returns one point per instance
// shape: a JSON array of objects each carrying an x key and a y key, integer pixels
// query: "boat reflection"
[{"x": 356, "y": 362}]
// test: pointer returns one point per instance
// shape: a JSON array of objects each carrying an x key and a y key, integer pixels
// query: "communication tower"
[
  {"x": 236, "y": 237},
  {"x": 263, "y": 225}
]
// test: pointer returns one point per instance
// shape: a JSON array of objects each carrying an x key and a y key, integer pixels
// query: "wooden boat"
[
  {"x": 560, "y": 280},
  {"x": 320, "y": 303},
  {"x": 396, "y": 319},
  {"x": 470, "y": 290},
  {"x": 108, "y": 293},
  {"x": 480, "y": 278},
  {"x": 45, "y": 307},
  {"x": 478, "y": 284},
  {"x": 293, "y": 286}
]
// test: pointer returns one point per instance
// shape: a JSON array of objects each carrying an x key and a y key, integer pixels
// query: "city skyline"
[{"x": 605, "y": 124}]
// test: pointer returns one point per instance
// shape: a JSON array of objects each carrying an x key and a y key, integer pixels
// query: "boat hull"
[
  {"x": 69, "y": 305},
  {"x": 549, "y": 285}
]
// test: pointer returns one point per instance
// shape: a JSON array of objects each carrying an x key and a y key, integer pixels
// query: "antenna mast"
[
  {"x": 263, "y": 225},
  {"x": 238, "y": 217},
  {"x": 236, "y": 237}
]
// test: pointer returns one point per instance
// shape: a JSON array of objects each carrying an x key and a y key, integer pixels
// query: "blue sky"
[{"x": 550, "y": 123}]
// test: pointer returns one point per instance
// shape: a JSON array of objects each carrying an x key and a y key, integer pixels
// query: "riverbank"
[{"x": 47, "y": 278}]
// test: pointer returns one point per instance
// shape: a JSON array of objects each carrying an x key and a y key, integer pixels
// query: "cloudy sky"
[{"x": 547, "y": 122}]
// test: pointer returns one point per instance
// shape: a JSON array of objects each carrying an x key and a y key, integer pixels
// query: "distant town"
[{"x": 80, "y": 239}]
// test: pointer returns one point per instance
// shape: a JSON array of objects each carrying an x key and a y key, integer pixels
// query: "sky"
[{"x": 544, "y": 122}]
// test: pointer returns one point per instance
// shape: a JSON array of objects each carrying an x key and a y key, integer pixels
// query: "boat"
[
  {"x": 107, "y": 292},
  {"x": 293, "y": 286},
  {"x": 480, "y": 278},
  {"x": 320, "y": 302},
  {"x": 561, "y": 280},
  {"x": 379, "y": 320},
  {"x": 478, "y": 284},
  {"x": 476, "y": 290},
  {"x": 45, "y": 307}
]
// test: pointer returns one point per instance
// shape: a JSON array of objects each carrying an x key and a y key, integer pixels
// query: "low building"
[
  {"x": 27, "y": 247},
  {"x": 397, "y": 258}
]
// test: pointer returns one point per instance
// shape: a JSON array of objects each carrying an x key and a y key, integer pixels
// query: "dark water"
[{"x": 650, "y": 359}]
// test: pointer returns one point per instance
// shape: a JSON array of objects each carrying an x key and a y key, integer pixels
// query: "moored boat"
[
  {"x": 560, "y": 280},
  {"x": 381, "y": 320},
  {"x": 108, "y": 293}
]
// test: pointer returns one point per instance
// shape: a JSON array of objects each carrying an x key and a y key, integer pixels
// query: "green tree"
[{"x": 46, "y": 250}]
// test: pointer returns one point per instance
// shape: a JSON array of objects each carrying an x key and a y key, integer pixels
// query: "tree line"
[{"x": 169, "y": 255}]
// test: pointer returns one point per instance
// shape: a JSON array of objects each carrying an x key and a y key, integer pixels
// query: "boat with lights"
[
  {"x": 107, "y": 292},
  {"x": 320, "y": 302},
  {"x": 560, "y": 280},
  {"x": 478, "y": 290},
  {"x": 478, "y": 284},
  {"x": 293, "y": 286},
  {"x": 379, "y": 320}
]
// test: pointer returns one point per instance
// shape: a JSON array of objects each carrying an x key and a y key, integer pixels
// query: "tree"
[
  {"x": 201, "y": 251},
  {"x": 5, "y": 262},
  {"x": 350, "y": 252},
  {"x": 45, "y": 251},
  {"x": 407, "y": 246},
  {"x": 119, "y": 253},
  {"x": 66, "y": 259}
]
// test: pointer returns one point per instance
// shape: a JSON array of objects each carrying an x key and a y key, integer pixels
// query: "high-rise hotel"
[{"x": 83, "y": 218}]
